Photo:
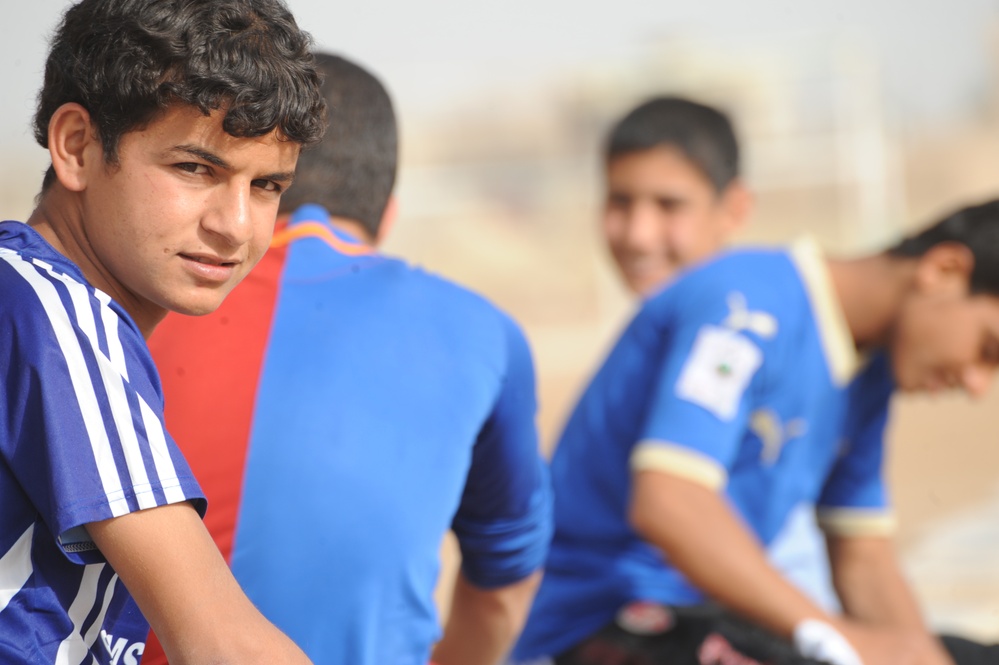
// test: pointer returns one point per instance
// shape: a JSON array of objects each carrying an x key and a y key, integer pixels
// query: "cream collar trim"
[{"x": 837, "y": 341}]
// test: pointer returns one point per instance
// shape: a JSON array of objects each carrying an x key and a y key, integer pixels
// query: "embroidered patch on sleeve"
[{"x": 720, "y": 366}]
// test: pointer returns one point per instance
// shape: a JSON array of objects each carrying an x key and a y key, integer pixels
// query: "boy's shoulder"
[
  {"x": 449, "y": 304},
  {"x": 749, "y": 269},
  {"x": 22, "y": 247},
  {"x": 51, "y": 306},
  {"x": 21, "y": 238},
  {"x": 735, "y": 281}
]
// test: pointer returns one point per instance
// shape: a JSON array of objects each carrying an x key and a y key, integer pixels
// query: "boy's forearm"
[
  {"x": 484, "y": 623},
  {"x": 878, "y": 604},
  {"x": 870, "y": 584},
  {"x": 701, "y": 535},
  {"x": 170, "y": 565}
]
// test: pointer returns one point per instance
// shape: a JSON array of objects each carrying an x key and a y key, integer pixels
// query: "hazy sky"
[{"x": 936, "y": 55}]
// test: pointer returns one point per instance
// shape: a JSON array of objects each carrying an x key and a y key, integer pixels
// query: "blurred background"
[{"x": 859, "y": 119}]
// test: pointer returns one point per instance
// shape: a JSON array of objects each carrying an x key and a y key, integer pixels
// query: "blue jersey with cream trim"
[
  {"x": 81, "y": 440},
  {"x": 743, "y": 376}
]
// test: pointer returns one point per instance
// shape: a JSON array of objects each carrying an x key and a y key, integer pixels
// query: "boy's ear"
[
  {"x": 945, "y": 268},
  {"x": 739, "y": 203},
  {"x": 72, "y": 144}
]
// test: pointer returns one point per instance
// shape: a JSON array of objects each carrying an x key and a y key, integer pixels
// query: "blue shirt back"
[{"x": 390, "y": 406}]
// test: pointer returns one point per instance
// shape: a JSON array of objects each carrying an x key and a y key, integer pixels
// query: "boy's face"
[
  {"x": 184, "y": 214},
  {"x": 662, "y": 214},
  {"x": 944, "y": 338}
]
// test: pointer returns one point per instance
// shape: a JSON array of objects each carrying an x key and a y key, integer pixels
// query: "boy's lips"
[
  {"x": 209, "y": 259},
  {"x": 210, "y": 267}
]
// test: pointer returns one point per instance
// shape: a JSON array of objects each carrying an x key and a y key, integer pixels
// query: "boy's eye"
[
  {"x": 267, "y": 185},
  {"x": 193, "y": 167},
  {"x": 669, "y": 204},
  {"x": 618, "y": 201}
]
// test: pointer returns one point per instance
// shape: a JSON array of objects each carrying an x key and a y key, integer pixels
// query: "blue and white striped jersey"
[{"x": 81, "y": 440}]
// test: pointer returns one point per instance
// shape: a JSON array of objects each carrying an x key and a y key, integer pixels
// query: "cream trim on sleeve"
[
  {"x": 653, "y": 455},
  {"x": 856, "y": 521}
]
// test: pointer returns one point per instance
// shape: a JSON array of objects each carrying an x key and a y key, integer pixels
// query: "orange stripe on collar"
[{"x": 314, "y": 229}]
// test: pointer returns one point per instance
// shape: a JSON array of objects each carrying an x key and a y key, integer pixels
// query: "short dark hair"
[
  {"x": 977, "y": 228},
  {"x": 703, "y": 134},
  {"x": 351, "y": 172},
  {"x": 127, "y": 60}
]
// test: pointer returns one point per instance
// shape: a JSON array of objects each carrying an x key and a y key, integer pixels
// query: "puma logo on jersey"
[
  {"x": 773, "y": 433},
  {"x": 121, "y": 652},
  {"x": 740, "y": 318}
]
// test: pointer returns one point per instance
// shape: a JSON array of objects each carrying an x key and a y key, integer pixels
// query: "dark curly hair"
[
  {"x": 977, "y": 228},
  {"x": 127, "y": 60}
]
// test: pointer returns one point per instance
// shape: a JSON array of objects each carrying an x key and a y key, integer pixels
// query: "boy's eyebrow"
[
  {"x": 283, "y": 177},
  {"x": 203, "y": 154},
  {"x": 215, "y": 160}
]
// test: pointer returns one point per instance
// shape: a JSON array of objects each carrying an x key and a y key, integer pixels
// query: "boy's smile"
[{"x": 662, "y": 214}]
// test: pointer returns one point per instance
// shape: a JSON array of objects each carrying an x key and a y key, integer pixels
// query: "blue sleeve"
[
  {"x": 82, "y": 426},
  {"x": 504, "y": 521},
  {"x": 707, "y": 362},
  {"x": 857, "y": 479}
]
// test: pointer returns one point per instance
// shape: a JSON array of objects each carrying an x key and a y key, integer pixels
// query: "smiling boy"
[
  {"x": 172, "y": 128},
  {"x": 674, "y": 194}
]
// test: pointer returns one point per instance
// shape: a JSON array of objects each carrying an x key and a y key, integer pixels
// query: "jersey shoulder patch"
[{"x": 719, "y": 368}]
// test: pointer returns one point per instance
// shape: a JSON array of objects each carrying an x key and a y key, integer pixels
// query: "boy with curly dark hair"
[{"x": 173, "y": 126}]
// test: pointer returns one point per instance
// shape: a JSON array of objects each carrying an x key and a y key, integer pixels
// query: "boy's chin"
[{"x": 205, "y": 303}]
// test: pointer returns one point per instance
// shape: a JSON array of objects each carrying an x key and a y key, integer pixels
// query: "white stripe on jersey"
[
  {"x": 110, "y": 320},
  {"x": 153, "y": 424},
  {"x": 111, "y": 374},
  {"x": 95, "y": 628},
  {"x": 15, "y": 567},
  {"x": 74, "y": 649},
  {"x": 81, "y": 380},
  {"x": 115, "y": 388},
  {"x": 113, "y": 383},
  {"x": 161, "y": 454}
]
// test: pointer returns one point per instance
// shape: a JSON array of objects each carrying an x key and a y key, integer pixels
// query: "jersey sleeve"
[
  {"x": 854, "y": 499},
  {"x": 706, "y": 362},
  {"x": 82, "y": 425},
  {"x": 504, "y": 521}
]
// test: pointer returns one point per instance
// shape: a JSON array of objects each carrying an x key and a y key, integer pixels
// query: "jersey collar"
[
  {"x": 837, "y": 341},
  {"x": 313, "y": 221}
]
